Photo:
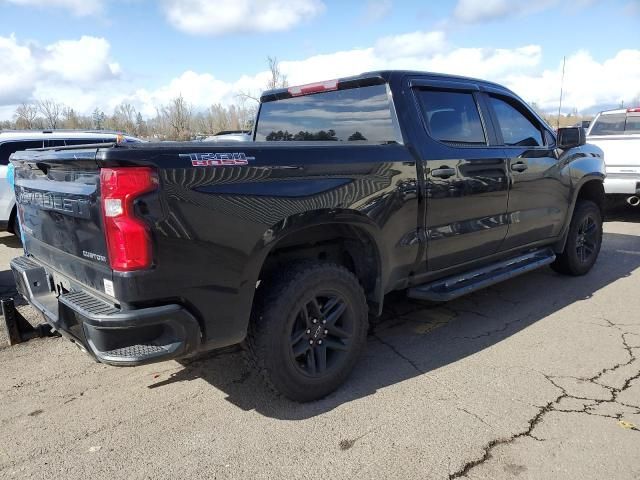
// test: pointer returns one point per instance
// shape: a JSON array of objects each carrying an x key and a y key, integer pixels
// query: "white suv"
[{"x": 14, "y": 140}]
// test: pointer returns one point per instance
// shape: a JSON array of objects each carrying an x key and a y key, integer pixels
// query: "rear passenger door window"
[
  {"x": 452, "y": 117},
  {"x": 516, "y": 128}
]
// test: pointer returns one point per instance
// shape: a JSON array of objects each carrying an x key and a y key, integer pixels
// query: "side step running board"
[{"x": 452, "y": 287}]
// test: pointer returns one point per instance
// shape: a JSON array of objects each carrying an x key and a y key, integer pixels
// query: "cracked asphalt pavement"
[{"x": 535, "y": 378}]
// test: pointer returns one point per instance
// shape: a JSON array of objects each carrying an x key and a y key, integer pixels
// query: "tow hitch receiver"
[{"x": 18, "y": 328}]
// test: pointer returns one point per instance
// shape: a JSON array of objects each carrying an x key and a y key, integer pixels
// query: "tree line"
[{"x": 176, "y": 120}]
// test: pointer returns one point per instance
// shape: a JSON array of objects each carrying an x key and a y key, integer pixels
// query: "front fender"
[{"x": 582, "y": 164}]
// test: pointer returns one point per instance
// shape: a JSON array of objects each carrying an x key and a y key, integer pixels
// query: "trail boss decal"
[{"x": 217, "y": 159}]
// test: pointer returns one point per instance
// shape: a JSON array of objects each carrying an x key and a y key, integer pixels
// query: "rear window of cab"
[{"x": 350, "y": 115}]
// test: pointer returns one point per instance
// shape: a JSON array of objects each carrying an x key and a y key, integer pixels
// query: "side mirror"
[{"x": 571, "y": 137}]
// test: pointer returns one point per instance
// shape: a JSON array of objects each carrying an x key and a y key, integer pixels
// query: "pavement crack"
[
  {"x": 488, "y": 333},
  {"x": 533, "y": 422},
  {"x": 475, "y": 415},
  {"x": 551, "y": 407},
  {"x": 398, "y": 353}
]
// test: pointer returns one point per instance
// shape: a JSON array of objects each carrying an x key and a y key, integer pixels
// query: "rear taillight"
[{"x": 128, "y": 238}]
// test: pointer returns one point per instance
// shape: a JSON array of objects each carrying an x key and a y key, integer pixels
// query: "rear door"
[
  {"x": 538, "y": 199},
  {"x": 467, "y": 187}
]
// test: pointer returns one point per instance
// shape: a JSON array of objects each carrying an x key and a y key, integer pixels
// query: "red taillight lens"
[{"x": 128, "y": 239}]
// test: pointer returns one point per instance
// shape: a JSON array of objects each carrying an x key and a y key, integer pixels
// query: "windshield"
[{"x": 356, "y": 114}]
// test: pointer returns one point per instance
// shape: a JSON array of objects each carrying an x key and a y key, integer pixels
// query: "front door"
[{"x": 538, "y": 199}]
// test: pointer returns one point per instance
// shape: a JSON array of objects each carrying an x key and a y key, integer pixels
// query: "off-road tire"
[
  {"x": 280, "y": 306},
  {"x": 572, "y": 261}
]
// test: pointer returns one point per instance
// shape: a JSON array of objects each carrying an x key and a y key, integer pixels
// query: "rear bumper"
[
  {"x": 109, "y": 334},
  {"x": 629, "y": 185}
]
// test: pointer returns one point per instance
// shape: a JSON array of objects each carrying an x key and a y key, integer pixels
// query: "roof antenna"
[{"x": 564, "y": 60}]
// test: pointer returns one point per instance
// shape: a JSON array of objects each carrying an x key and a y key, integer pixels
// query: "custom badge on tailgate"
[{"x": 217, "y": 159}]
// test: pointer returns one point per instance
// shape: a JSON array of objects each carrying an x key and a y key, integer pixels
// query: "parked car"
[
  {"x": 230, "y": 136},
  {"x": 13, "y": 140},
  {"x": 394, "y": 180},
  {"x": 617, "y": 133}
]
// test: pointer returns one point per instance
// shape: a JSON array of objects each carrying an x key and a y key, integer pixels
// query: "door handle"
[
  {"x": 519, "y": 167},
  {"x": 443, "y": 172}
]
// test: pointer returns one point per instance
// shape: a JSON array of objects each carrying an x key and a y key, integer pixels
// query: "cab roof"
[{"x": 365, "y": 79}]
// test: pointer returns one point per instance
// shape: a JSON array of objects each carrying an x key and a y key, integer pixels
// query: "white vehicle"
[
  {"x": 617, "y": 133},
  {"x": 230, "y": 136},
  {"x": 13, "y": 140}
]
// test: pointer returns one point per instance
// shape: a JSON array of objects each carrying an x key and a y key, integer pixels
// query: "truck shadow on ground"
[
  {"x": 8, "y": 287},
  {"x": 413, "y": 338},
  {"x": 622, "y": 213},
  {"x": 10, "y": 240}
]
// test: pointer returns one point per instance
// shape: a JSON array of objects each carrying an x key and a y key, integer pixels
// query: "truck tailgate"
[
  {"x": 58, "y": 198},
  {"x": 621, "y": 152}
]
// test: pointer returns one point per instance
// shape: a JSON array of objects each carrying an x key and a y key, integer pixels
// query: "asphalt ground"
[{"x": 535, "y": 378}]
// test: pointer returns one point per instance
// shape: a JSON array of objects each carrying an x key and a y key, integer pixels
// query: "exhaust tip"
[{"x": 634, "y": 200}]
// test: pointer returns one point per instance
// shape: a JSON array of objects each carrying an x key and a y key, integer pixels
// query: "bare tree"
[
  {"x": 177, "y": 117},
  {"x": 247, "y": 112},
  {"x": 214, "y": 119},
  {"x": 124, "y": 118},
  {"x": 278, "y": 79},
  {"x": 26, "y": 115},
  {"x": 98, "y": 118},
  {"x": 141, "y": 126},
  {"x": 70, "y": 118},
  {"x": 51, "y": 112}
]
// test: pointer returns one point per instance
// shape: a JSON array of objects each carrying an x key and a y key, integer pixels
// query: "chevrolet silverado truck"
[
  {"x": 351, "y": 188},
  {"x": 617, "y": 133}
]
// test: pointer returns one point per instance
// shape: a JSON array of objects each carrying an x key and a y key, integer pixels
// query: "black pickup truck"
[{"x": 352, "y": 188}]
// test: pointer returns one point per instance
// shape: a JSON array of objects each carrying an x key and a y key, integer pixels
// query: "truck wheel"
[
  {"x": 308, "y": 329},
  {"x": 583, "y": 241}
]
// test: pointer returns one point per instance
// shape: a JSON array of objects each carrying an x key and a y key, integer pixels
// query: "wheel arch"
[
  {"x": 346, "y": 237},
  {"x": 590, "y": 187}
]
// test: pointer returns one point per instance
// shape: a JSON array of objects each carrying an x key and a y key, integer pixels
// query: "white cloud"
[
  {"x": 376, "y": 10},
  {"x": 220, "y": 17},
  {"x": 80, "y": 61},
  {"x": 413, "y": 44},
  {"x": 476, "y": 11},
  {"x": 79, "y": 8},
  {"x": 587, "y": 82},
  {"x": 29, "y": 71},
  {"x": 17, "y": 70},
  {"x": 81, "y": 73}
]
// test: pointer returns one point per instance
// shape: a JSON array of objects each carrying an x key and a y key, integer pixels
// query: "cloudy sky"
[{"x": 98, "y": 53}]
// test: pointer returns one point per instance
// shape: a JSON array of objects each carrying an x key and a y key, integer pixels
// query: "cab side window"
[
  {"x": 452, "y": 117},
  {"x": 517, "y": 129}
]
